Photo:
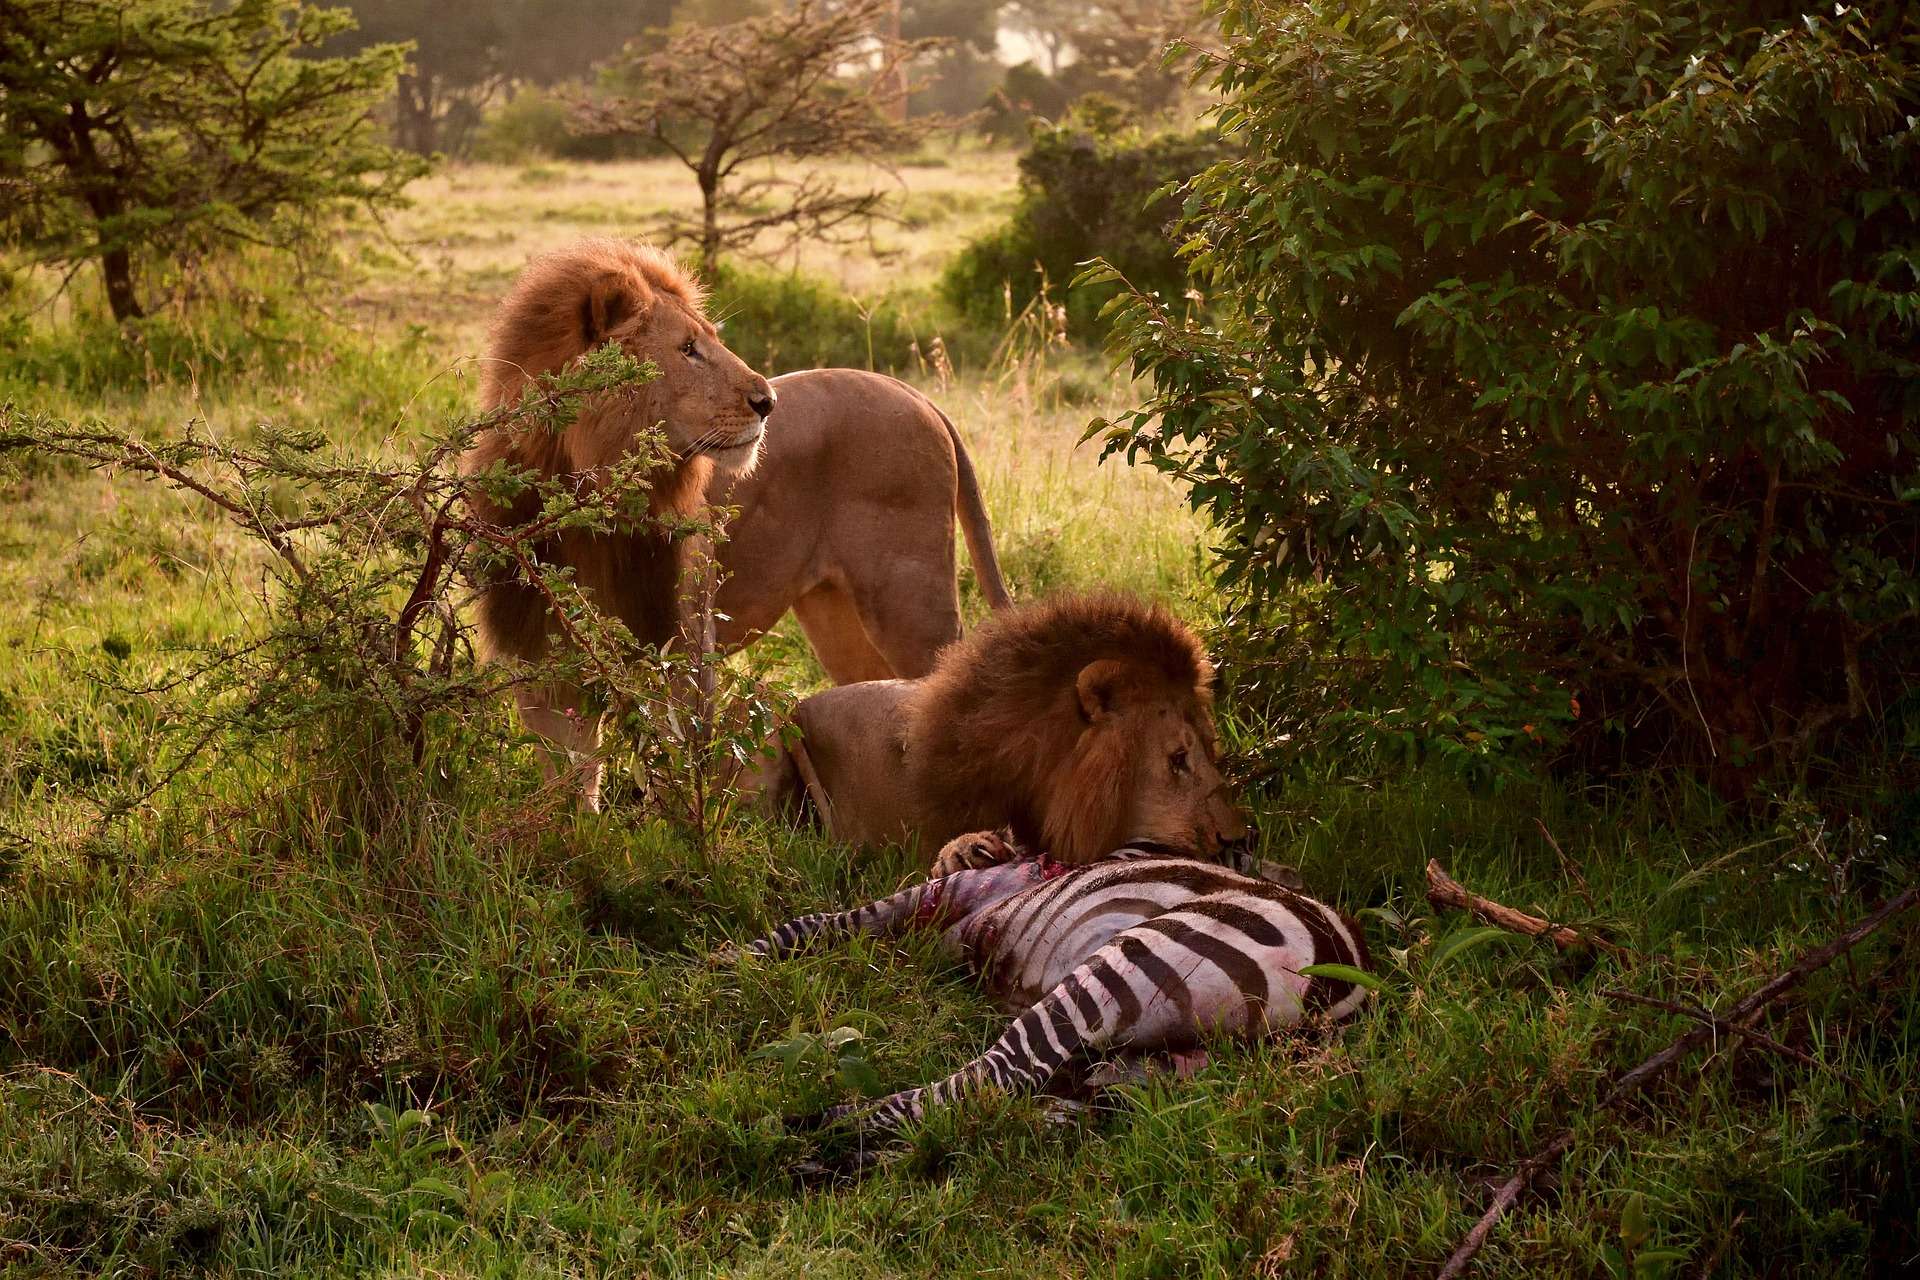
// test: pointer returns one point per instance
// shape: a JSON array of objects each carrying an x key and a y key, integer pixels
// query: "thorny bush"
[{"x": 356, "y": 658}]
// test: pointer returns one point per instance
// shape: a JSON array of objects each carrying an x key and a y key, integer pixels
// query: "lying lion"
[{"x": 1082, "y": 724}]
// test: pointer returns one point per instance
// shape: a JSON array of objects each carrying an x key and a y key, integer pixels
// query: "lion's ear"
[
  {"x": 1099, "y": 686},
  {"x": 611, "y": 300}
]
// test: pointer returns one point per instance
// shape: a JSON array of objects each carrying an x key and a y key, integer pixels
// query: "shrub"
[
  {"x": 356, "y": 659},
  {"x": 785, "y": 320},
  {"x": 1567, "y": 384},
  {"x": 533, "y": 125},
  {"x": 1092, "y": 186},
  {"x": 1025, "y": 93}
]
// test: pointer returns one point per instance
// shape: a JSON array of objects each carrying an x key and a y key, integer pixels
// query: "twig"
[
  {"x": 1567, "y": 864},
  {"x": 1444, "y": 891},
  {"x": 1718, "y": 1023},
  {"x": 1741, "y": 1013},
  {"x": 816, "y": 790}
]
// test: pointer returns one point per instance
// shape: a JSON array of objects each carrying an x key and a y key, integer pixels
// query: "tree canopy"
[
  {"x": 794, "y": 84},
  {"x": 466, "y": 51},
  {"x": 162, "y": 128}
]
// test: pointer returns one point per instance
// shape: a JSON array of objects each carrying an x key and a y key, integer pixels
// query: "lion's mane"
[
  {"x": 564, "y": 304},
  {"x": 998, "y": 733}
]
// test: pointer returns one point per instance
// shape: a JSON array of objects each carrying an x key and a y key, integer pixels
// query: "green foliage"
[
  {"x": 356, "y": 663},
  {"x": 1093, "y": 186},
  {"x": 1123, "y": 50},
  {"x": 1026, "y": 95},
  {"x": 196, "y": 1015},
  {"x": 264, "y": 325},
  {"x": 785, "y": 320},
  {"x": 537, "y": 125},
  {"x": 165, "y": 129},
  {"x": 1564, "y": 392},
  {"x": 466, "y": 51}
]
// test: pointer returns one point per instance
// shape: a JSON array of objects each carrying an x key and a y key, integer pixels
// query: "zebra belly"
[
  {"x": 1028, "y": 943},
  {"x": 1174, "y": 981}
]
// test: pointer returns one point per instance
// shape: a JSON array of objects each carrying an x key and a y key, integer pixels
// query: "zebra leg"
[
  {"x": 902, "y": 911},
  {"x": 1079, "y": 1016}
]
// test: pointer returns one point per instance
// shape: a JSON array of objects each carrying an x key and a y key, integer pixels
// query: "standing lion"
[
  {"x": 714, "y": 412},
  {"x": 848, "y": 519}
]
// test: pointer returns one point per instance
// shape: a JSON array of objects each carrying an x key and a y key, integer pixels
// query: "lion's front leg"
[
  {"x": 569, "y": 725},
  {"x": 973, "y": 851}
]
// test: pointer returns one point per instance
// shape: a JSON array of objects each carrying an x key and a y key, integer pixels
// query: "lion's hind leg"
[{"x": 832, "y": 625}]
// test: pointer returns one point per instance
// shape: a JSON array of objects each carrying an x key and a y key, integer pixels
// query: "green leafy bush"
[
  {"x": 1092, "y": 186},
  {"x": 533, "y": 125},
  {"x": 1563, "y": 377},
  {"x": 780, "y": 321}
]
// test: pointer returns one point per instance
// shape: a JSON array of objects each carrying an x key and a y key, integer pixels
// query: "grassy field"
[{"x": 241, "y": 1035}]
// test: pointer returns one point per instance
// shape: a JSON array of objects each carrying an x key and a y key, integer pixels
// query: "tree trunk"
[
  {"x": 116, "y": 269},
  {"x": 709, "y": 221},
  {"x": 413, "y": 115},
  {"x": 896, "y": 101}
]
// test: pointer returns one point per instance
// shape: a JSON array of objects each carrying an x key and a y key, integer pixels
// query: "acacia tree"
[
  {"x": 155, "y": 128},
  {"x": 795, "y": 84}
]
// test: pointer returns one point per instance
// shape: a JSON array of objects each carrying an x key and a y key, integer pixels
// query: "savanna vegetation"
[{"x": 1485, "y": 363}]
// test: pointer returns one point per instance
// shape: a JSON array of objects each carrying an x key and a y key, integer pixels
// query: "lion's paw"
[{"x": 973, "y": 851}]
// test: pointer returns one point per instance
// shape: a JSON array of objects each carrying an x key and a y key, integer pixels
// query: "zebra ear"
[{"x": 1098, "y": 686}]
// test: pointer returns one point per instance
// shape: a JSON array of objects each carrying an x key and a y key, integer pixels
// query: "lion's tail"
[{"x": 971, "y": 510}]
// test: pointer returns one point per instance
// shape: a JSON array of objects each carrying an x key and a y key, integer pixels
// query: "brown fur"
[
  {"x": 1043, "y": 716},
  {"x": 564, "y": 305},
  {"x": 849, "y": 522}
]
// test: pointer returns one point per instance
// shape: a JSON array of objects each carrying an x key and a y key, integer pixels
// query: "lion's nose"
[{"x": 761, "y": 401}]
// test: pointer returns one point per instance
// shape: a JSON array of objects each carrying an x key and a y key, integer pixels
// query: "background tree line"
[{"x": 468, "y": 58}]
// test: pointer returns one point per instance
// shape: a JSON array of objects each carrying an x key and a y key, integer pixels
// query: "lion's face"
[
  {"x": 1178, "y": 798},
  {"x": 1145, "y": 769},
  {"x": 707, "y": 400},
  {"x": 711, "y": 403}
]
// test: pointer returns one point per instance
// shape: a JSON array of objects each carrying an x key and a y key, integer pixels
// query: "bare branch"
[{"x": 1741, "y": 1014}]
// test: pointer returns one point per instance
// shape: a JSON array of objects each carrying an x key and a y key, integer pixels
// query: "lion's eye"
[
  {"x": 1178, "y": 761},
  {"x": 690, "y": 349}
]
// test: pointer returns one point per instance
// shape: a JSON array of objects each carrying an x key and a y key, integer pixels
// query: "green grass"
[{"x": 243, "y": 1033}]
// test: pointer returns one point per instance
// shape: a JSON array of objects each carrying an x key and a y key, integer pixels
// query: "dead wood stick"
[
  {"x": 1719, "y": 1023},
  {"x": 815, "y": 789},
  {"x": 1567, "y": 864},
  {"x": 1444, "y": 891},
  {"x": 1815, "y": 960}
]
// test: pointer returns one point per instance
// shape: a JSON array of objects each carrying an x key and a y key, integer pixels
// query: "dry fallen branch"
[
  {"x": 1444, "y": 891},
  {"x": 1740, "y": 1015},
  {"x": 1720, "y": 1024}
]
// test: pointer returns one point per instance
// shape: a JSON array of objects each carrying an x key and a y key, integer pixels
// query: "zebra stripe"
[{"x": 1140, "y": 953}]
